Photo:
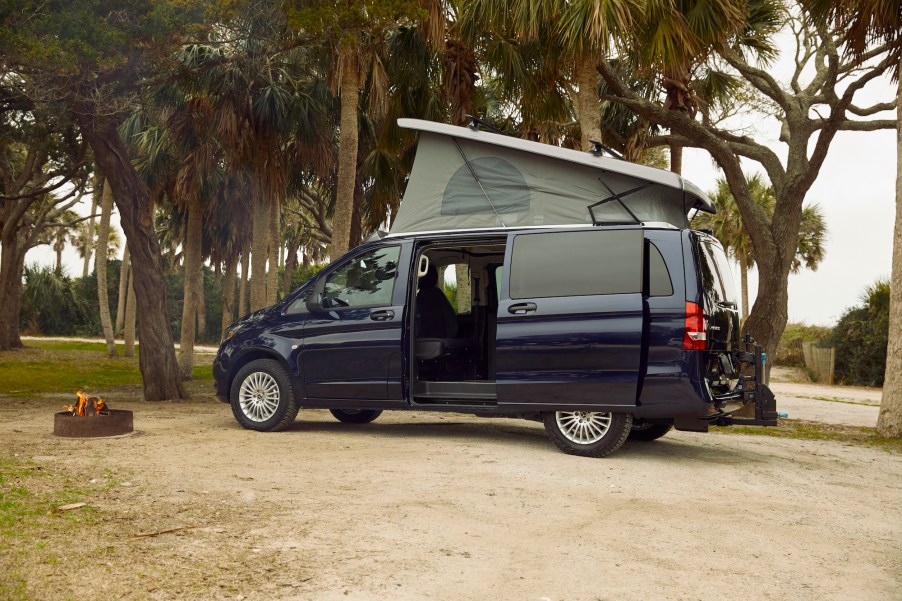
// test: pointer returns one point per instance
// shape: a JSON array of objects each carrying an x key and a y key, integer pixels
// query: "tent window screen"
[
  {"x": 502, "y": 182},
  {"x": 576, "y": 264}
]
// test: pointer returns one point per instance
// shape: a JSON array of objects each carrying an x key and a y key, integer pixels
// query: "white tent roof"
[{"x": 467, "y": 178}]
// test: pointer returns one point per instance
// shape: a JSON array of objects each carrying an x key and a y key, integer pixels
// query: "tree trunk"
[
  {"x": 464, "y": 290},
  {"x": 676, "y": 159},
  {"x": 157, "y": 361},
  {"x": 589, "y": 104},
  {"x": 889, "y": 422},
  {"x": 59, "y": 256},
  {"x": 291, "y": 263},
  {"x": 347, "y": 152},
  {"x": 12, "y": 263},
  {"x": 202, "y": 304},
  {"x": 744, "y": 285},
  {"x": 131, "y": 315},
  {"x": 193, "y": 281},
  {"x": 89, "y": 242},
  {"x": 242, "y": 285},
  {"x": 123, "y": 291},
  {"x": 259, "y": 253},
  {"x": 103, "y": 242},
  {"x": 275, "y": 249},
  {"x": 228, "y": 293}
]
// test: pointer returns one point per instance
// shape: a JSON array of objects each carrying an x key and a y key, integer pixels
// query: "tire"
[
  {"x": 587, "y": 433},
  {"x": 649, "y": 432},
  {"x": 262, "y": 396},
  {"x": 356, "y": 416}
]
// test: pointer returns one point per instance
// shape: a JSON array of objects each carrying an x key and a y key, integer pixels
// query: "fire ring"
[{"x": 119, "y": 421}]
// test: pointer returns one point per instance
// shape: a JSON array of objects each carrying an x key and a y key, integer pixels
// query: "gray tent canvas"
[{"x": 464, "y": 178}]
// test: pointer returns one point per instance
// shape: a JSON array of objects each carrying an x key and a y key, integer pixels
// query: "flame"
[{"x": 86, "y": 405}]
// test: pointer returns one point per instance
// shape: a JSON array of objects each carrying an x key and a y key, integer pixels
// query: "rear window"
[
  {"x": 576, "y": 264},
  {"x": 659, "y": 283},
  {"x": 716, "y": 274}
]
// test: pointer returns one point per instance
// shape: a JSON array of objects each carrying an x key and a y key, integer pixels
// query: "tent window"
[{"x": 502, "y": 182}]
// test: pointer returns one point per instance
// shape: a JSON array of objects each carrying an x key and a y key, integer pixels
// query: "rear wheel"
[
  {"x": 262, "y": 397},
  {"x": 356, "y": 416},
  {"x": 648, "y": 432},
  {"x": 588, "y": 433}
]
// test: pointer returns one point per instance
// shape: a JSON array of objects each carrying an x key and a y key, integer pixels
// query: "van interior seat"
[{"x": 437, "y": 326}]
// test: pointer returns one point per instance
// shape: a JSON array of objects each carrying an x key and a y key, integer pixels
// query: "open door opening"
[{"x": 455, "y": 302}]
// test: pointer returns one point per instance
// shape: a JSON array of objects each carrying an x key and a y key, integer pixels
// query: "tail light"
[{"x": 695, "y": 337}]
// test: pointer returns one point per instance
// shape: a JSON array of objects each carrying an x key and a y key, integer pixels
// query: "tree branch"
[{"x": 872, "y": 110}]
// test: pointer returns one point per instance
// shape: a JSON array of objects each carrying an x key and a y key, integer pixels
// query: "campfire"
[
  {"x": 88, "y": 405},
  {"x": 69, "y": 423}
]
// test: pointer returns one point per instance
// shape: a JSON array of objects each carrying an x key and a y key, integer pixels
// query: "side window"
[
  {"x": 365, "y": 281},
  {"x": 659, "y": 282},
  {"x": 576, "y": 264}
]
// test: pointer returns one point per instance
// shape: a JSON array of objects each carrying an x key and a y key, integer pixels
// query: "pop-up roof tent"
[{"x": 466, "y": 178}]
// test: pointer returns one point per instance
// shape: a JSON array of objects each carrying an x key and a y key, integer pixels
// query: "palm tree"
[
  {"x": 727, "y": 227},
  {"x": 867, "y": 22},
  {"x": 106, "y": 204}
]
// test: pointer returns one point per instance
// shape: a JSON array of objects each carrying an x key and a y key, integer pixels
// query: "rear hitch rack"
[{"x": 750, "y": 389}]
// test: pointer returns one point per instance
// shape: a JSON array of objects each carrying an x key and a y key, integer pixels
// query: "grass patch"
[
  {"x": 58, "y": 366},
  {"x": 29, "y": 497},
  {"x": 806, "y": 430}
]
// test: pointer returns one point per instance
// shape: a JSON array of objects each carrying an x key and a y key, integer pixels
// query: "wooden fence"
[{"x": 820, "y": 362}]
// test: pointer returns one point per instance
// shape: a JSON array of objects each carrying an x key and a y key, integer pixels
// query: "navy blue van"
[{"x": 618, "y": 328}]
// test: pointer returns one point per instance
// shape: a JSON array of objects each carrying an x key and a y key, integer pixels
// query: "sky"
[{"x": 855, "y": 189}]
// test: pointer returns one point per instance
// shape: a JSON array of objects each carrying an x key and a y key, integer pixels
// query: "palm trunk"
[
  {"x": 192, "y": 283},
  {"x": 889, "y": 422},
  {"x": 744, "y": 284},
  {"x": 242, "y": 285},
  {"x": 59, "y": 257},
  {"x": 123, "y": 291},
  {"x": 291, "y": 263},
  {"x": 259, "y": 251},
  {"x": 159, "y": 368},
  {"x": 676, "y": 159},
  {"x": 228, "y": 293},
  {"x": 89, "y": 242},
  {"x": 202, "y": 304},
  {"x": 347, "y": 153},
  {"x": 589, "y": 109},
  {"x": 275, "y": 249},
  {"x": 103, "y": 241},
  {"x": 12, "y": 263},
  {"x": 131, "y": 315}
]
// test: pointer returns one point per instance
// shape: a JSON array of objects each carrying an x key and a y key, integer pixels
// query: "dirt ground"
[{"x": 442, "y": 506}]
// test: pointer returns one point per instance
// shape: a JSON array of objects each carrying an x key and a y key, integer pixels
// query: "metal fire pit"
[{"x": 92, "y": 426}]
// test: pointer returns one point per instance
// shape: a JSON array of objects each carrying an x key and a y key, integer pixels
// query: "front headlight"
[{"x": 230, "y": 333}]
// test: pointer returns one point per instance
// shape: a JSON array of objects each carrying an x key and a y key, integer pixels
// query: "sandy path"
[{"x": 440, "y": 506}]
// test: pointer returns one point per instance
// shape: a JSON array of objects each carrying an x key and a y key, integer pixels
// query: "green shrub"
[{"x": 860, "y": 339}]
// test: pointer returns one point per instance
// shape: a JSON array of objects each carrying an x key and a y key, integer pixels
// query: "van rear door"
[
  {"x": 570, "y": 317},
  {"x": 719, "y": 295}
]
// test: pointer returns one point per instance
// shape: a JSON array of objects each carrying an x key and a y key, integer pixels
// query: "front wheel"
[
  {"x": 262, "y": 397},
  {"x": 355, "y": 416},
  {"x": 588, "y": 433}
]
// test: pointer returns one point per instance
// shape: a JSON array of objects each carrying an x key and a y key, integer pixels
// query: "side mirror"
[{"x": 314, "y": 299}]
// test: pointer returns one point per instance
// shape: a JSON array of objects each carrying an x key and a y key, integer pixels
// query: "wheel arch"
[{"x": 253, "y": 354}]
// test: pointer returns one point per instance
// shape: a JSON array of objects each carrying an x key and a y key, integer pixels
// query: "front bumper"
[{"x": 221, "y": 380}]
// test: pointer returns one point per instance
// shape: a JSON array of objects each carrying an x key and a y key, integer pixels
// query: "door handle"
[
  {"x": 521, "y": 308},
  {"x": 382, "y": 315}
]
